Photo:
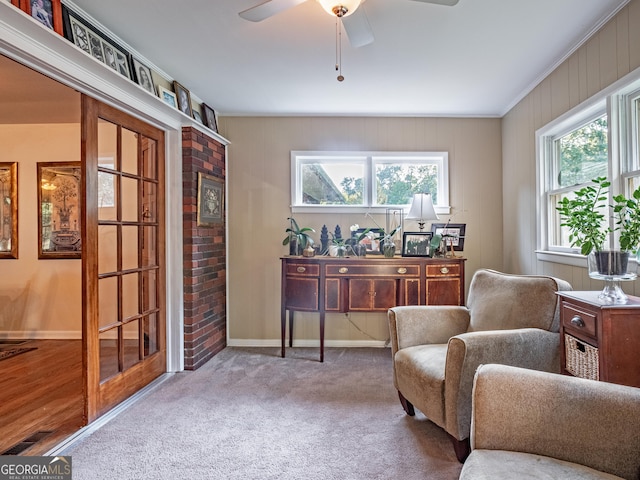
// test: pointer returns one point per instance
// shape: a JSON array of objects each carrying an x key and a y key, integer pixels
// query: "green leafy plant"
[
  {"x": 582, "y": 214},
  {"x": 627, "y": 213},
  {"x": 299, "y": 235}
]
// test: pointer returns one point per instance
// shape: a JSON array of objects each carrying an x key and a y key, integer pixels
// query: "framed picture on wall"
[
  {"x": 59, "y": 210},
  {"x": 143, "y": 76},
  {"x": 47, "y": 12},
  {"x": 184, "y": 99},
  {"x": 452, "y": 234},
  {"x": 210, "y": 117},
  {"x": 210, "y": 204},
  {"x": 167, "y": 96},
  {"x": 8, "y": 210}
]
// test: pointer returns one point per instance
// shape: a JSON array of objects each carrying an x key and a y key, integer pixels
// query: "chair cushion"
[
  {"x": 499, "y": 301},
  {"x": 420, "y": 377},
  {"x": 500, "y": 464}
]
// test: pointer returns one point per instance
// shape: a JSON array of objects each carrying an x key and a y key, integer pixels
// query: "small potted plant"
[{"x": 297, "y": 238}]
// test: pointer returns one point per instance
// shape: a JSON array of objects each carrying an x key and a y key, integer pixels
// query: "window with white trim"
[
  {"x": 597, "y": 139},
  {"x": 353, "y": 181}
]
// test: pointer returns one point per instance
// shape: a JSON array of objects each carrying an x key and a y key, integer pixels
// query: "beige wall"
[
  {"x": 259, "y": 198},
  {"x": 610, "y": 54},
  {"x": 38, "y": 298}
]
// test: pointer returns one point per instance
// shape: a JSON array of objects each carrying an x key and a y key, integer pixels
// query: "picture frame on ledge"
[
  {"x": 452, "y": 233},
  {"x": 47, "y": 12},
  {"x": 184, "y": 99},
  {"x": 9, "y": 210},
  {"x": 210, "y": 117},
  {"x": 416, "y": 244},
  {"x": 167, "y": 96},
  {"x": 372, "y": 246},
  {"x": 143, "y": 75}
]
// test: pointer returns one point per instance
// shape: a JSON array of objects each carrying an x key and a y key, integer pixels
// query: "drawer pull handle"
[
  {"x": 301, "y": 269},
  {"x": 402, "y": 270},
  {"x": 577, "y": 321},
  {"x": 343, "y": 270},
  {"x": 444, "y": 270}
]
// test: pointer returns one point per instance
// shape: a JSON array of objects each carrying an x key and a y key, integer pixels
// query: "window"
[
  {"x": 597, "y": 139},
  {"x": 352, "y": 181}
]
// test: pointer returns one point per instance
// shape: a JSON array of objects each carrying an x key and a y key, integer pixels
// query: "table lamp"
[{"x": 422, "y": 209}]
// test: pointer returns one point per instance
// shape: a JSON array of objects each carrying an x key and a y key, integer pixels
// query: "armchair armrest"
[
  {"x": 530, "y": 348},
  {"x": 572, "y": 419},
  {"x": 425, "y": 324}
]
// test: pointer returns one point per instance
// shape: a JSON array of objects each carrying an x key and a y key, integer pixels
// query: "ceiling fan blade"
[
  {"x": 358, "y": 29},
  {"x": 268, "y": 9},
  {"x": 449, "y": 3}
]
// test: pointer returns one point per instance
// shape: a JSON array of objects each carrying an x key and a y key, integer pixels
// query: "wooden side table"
[{"x": 600, "y": 341}]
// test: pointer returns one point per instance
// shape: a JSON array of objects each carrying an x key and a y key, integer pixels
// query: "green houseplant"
[
  {"x": 297, "y": 238},
  {"x": 589, "y": 225}
]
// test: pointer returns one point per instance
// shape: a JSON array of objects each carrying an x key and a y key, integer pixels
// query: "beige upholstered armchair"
[
  {"x": 509, "y": 319},
  {"x": 529, "y": 424}
]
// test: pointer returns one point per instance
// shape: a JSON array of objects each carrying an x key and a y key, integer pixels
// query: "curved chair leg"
[
  {"x": 461, "y": 447},
  {"x": 406, "y": 404}
]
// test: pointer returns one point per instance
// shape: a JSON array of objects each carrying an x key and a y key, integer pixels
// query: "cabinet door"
[
  {"x": 443, "y": 291},
  {"x": 302, "y": 293},
  {"x": 368, "y": 294},
  {"x": 410, "y": 293}
]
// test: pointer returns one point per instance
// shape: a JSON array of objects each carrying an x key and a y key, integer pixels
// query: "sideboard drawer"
[
  {"x": 443, "y": 270},
  {"x": 579, "y": 320},
  {"x": 304, "y": 269},
  {"x": 382, "y": 269}
]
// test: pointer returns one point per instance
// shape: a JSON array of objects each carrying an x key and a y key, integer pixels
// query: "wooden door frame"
[{"x": 136, "y": 377}]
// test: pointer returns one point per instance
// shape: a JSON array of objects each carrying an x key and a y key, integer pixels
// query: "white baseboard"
[
  {"x": 41, "y": 335},
  {"x": 248, "y": 342}
]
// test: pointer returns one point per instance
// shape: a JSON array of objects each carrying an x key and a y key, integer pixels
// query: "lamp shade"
[
  {"x": 349, "y": 5},
  {"x": 422, "y": 208}
]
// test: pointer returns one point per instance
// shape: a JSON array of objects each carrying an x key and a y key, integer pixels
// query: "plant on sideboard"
[{"x": 297, "y": 238}]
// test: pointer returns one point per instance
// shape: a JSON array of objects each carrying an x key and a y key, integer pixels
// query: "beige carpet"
[{"x": 249, "y": 414}]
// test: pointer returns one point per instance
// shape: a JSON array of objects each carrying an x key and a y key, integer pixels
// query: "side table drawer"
[
  {"x": 303, "y": 269},
  {"x": 443, "y": 270},
  {"x": 579, "y": 320},
  {"x": 381, "y": 269}
]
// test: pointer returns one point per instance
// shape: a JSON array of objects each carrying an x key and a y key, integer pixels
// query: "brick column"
[{"x": 204, "y": 258}]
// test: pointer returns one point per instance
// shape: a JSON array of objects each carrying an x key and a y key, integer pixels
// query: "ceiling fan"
[{"x": 351, "y": 12}]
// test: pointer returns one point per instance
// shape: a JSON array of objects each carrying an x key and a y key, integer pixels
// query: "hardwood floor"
[{"x": 41, "y": 391}]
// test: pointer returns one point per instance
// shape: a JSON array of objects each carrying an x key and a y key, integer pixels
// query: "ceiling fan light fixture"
[{"x": 340, "y": 8}]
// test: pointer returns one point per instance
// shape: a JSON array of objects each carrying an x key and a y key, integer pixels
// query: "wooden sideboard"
[
  {"x": 600, "y": 341},
  {"x": 365, "y": 284}
]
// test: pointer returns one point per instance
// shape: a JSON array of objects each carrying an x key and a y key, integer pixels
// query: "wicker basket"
[{"x": 581, "y": 358}]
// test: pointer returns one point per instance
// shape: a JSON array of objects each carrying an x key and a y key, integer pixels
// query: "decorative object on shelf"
[
  {"x": 297, "y": 238},
  {"x": 589, "y": 230},
  {"x": 337, "y": 233},
  {"x": 167, "y": 96},
  {"x": 394, "y": 220},
  {"x": 324, "y": 240},
  {"x": 9, "y": 210},
  {"x": 210, "y": 206},
  {"x": 210, "y": 117},
  {"x": 388, "y": 247},
  {"x": 143, "y": 76},
  {"x": 59, "y": 212},
  {"x": 422, "y": 209},
  {"x": 82, "y": 34},
  {"x": 416, "y": 244},
  {"x": 184, "y": 99},
  {"x": 383, "y": 237},
  {"x": 358, "y": 234},
  {"x": 309, "y": 251}
]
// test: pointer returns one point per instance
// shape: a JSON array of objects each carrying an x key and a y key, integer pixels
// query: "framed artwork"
[
  {"x": 184, "y": 99},
  {"x": 370, "y": 242},
  {"x": 9, "y": 210},
  {"x": 80, "y": 32},
  {"x": 210, "y": 205},
  {"x": 47, "y": 12},
  {"x": 196, "y": 116},
  {"x": 416, "y": 244},
  {"x": 143, "y": 76},
  {"x": 452, "y": 234},
  {"x": 167, "y": 96},
  {"x": 210, "y": 117},
  {"x": 59, "y": 214}
]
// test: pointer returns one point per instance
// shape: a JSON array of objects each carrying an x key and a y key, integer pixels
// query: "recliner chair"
[{"x": 509, "y": 319}]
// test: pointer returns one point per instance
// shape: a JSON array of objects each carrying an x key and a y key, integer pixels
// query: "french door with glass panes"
[{"x": 123, "y": 255}]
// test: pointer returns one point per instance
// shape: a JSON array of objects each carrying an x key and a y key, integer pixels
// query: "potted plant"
[
  {"x": 358, "y": 249},
  {"x": 584, "y": 215},
  {"x": 297, "y": 238}
]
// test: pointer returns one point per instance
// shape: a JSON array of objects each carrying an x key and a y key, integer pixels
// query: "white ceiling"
[{"x": 477, "y": 58}]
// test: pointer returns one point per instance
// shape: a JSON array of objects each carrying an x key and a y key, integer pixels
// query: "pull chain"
[{"x": 339, "y": 50}]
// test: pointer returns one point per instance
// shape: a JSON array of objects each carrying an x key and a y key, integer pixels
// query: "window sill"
[{"x": 565, "y": 258}]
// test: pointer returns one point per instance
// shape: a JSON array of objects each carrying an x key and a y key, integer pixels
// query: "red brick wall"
[{"x": 205, "y": 313}]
